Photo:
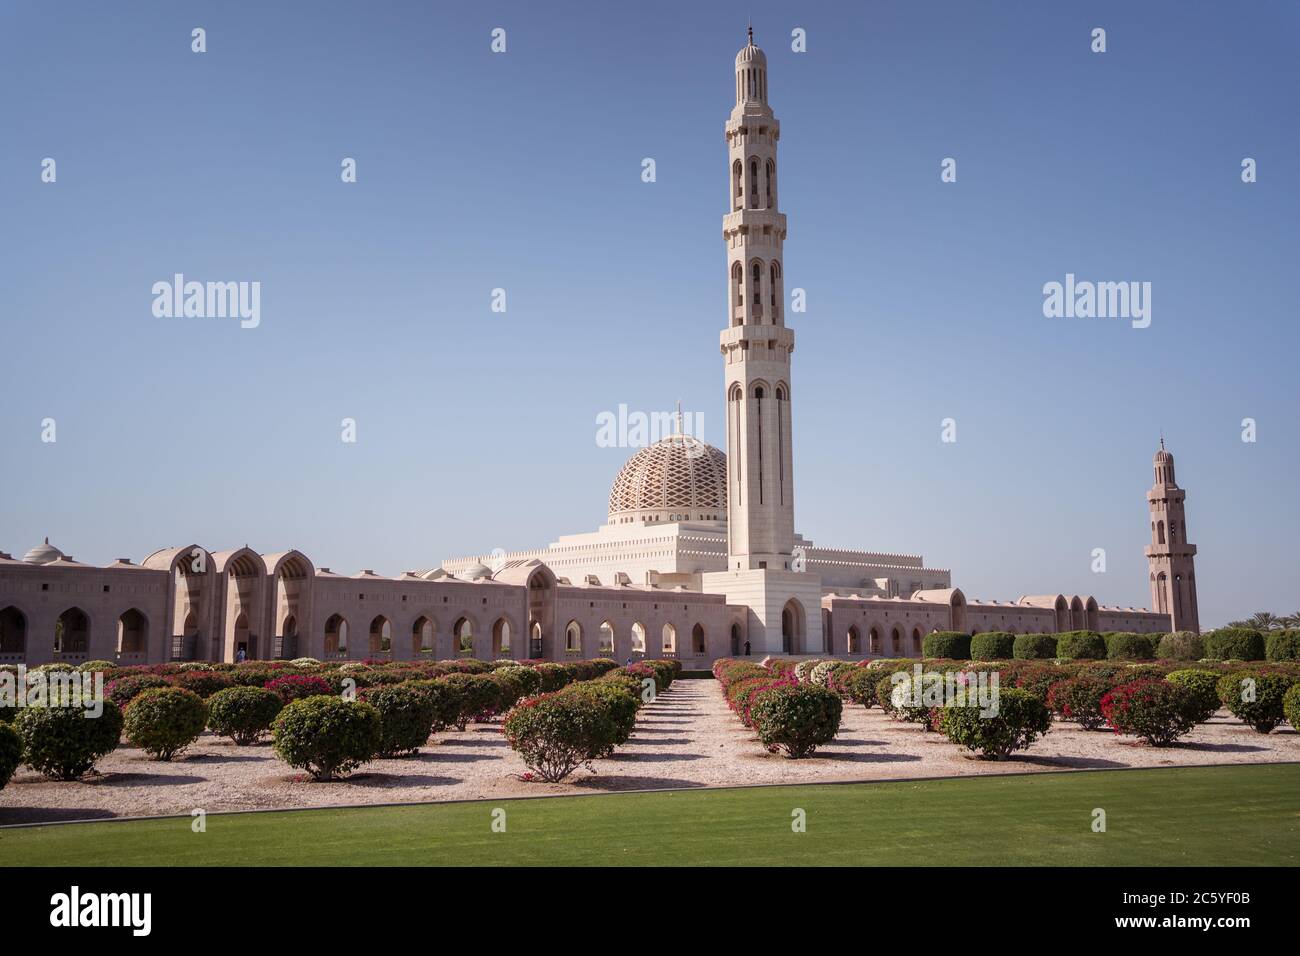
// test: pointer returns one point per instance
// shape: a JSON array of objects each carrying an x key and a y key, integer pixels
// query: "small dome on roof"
[
  {"x": 43, "y": 554},
  {"x": 477, "y": 572}
]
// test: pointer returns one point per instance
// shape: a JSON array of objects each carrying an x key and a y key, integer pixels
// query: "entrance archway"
[
  {"x": 792, "y": 627},
  {"x": 72, "y": 632}
]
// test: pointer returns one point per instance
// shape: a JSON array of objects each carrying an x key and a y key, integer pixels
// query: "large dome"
[{"x": 678, "y": 478}]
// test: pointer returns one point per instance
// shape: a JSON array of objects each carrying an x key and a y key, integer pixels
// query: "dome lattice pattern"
[{"x": 678, "y": 474}]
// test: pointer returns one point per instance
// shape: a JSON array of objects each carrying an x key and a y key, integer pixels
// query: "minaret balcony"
[
  {"x": 756, "y": 220},
  {"x": 756, "y": 337}
]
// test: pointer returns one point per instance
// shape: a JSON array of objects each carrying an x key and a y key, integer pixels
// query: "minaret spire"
[
  {"x": 757, "y": 344},
  {"x": 1170, "y": 556}
]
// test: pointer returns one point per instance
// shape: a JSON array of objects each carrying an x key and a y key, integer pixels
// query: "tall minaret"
[
  {"x": 756, "y": 346},
  {"x": 1170, "y": 556}
]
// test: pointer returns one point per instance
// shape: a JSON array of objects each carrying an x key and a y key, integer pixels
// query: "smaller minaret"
[{"x": 1170, "y": 556}]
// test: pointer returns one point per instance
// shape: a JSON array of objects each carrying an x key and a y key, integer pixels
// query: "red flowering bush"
[
  {"x": 796, "y": 718},
  {"x": 124, "y": 689},
  {"x": 1079, "y": 699},
  {"x": 1021, "y": 719},
  {"x": 1155, "y": 710},
  {"x": 327, "y": 736},
  {"x": 293, "y": 687},
  {"x": 203, "y": 683},
  {"x": 557, "y": 733}
]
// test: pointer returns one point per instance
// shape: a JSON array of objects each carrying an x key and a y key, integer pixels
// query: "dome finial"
[
  {"x": 751, "y": 33},
  {"x": 679, "y": 416}
]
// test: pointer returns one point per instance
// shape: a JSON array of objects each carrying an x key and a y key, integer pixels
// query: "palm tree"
[
  {"x": 1291, "y": 620},
  {"x": 1264, "y": 621}
]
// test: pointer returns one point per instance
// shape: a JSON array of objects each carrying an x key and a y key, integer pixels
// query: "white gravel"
[{"x": 685, "y": 739}]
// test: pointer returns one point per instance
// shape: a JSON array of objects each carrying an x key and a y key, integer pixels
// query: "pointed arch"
[
  {"x": 72, "y": 632},
  {"x": 381, "y": 635},
  {"x": 132, "y": 632},
  {"x": 606, "y": 637}
]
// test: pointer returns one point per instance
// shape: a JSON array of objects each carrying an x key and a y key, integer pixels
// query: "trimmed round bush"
[
  {"x": 447, "y": 701},
  {"x": 1235, "y": 644},
  {"x": 1291, "y": 706},
  {"x": 164, "y": 721},
  {"x": 557, "y": 733},
  {"x": 62, "y": 742},
  {"x": 406, "y": 718},
  {"x": 92, "y": 666},
  {"x": 1155, "y": 710},
  {"x": 11, "y": 753},
  {"x": 1282, "y": 645},
  {"x": 796, "y": 718},
  {"x": 1021, "y": 719},
  {"x": 860, "y": 685},
  {"x": 1255, "y": 697},
  {"x": 1034, "y": 647},
  {"x": 992, "y": 646},
  {"x": 293, "y": 687},
  {"x": 619, "y": 701},
  {"x": 1079, "y": 699},
  {"x": 953, "y": 645},
  {"x": 1204, "y": 685},
  {"x": 124, "y": 689},
  {"x": 1080, "y": 646},
  {"x": 1123, "y": 646},
  {"x": 326, "y": 735},
  {"x": 479, "y": 697},
  {"x": 243, "y": 714},
  {"x": 1181, "y": 646}
]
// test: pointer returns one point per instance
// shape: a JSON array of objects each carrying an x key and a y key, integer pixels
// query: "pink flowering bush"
[{"x": 293, "y": 687}]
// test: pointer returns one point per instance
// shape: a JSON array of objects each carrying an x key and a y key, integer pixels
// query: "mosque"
[{"x": 698, "y": 558}]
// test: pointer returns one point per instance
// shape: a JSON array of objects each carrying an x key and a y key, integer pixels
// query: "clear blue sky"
[{"x": 477, "y": 430}]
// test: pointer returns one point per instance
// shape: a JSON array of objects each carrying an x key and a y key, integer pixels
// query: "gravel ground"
[{"x": 685, "y": 739}]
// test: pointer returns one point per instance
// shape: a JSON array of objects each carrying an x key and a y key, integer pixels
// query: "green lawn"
[{"x": 1189, "y": 816}]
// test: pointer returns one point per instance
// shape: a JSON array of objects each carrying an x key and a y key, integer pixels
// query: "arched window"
[
  {"x": 463, "y": 634},
  {"x": 735, "y": 640},
  {"x": 573, "y": 637},
  {"x": 336, "y": 636},
  {"x": 670, "y": 639},
  {"x": 501, "y": 636},
  {"x": 753, "y": 184},
  {"x": 697, "y": 639},
  {"x": 71, "y": 632},
  {"x": 916, "y": 641},
  {"x": 771, "y": 175},
  {"x": 132, "y": 632},
  {"x": 854, "y": 641},
  {"x": 381, "y": 635},
  {"x": 638, "y": 638},
  {"x": 755, "y": 289},
  {"x": 774, "y": 273},
  {"x": 606, "y": 638},
  {"x": 422, "y": 636},
  {"x": 1160, "y": 532},
  {"x": 737, "y": 292},
  {"x": 738, "y": 187},
  {"x": 874, "y": 641}
]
